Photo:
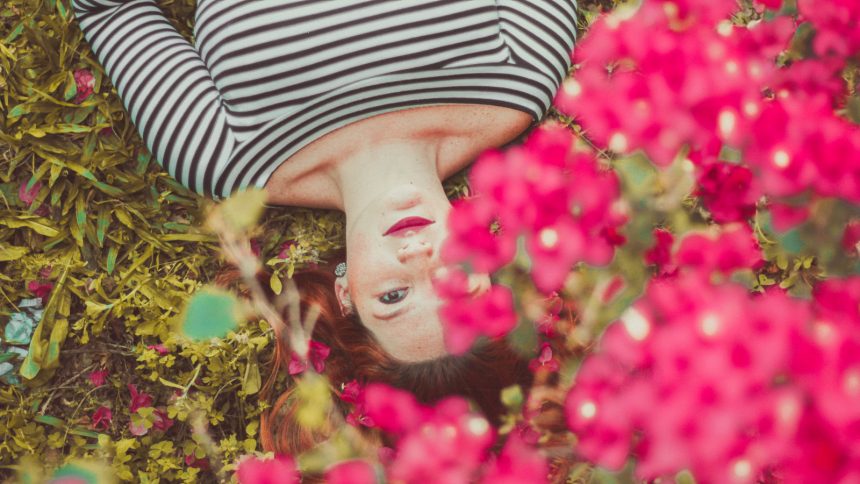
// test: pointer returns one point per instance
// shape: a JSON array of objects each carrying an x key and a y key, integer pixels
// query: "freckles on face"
[{"x": 408, "y": 327}]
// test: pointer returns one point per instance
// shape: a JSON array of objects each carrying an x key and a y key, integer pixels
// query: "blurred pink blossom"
[
  {"x": 443, "y": 443},
  {"x": 85, "y": 82},
  {"x": 731, "y": 248},
  {"x": 97, "y": 378},
  {"x": 660, "y": 254},
  {"x": 317, "y": 354},
  {"x": 351, "y": 472},
  {"x": 517, "y": 463},
  {"x": 29, "y": 196},
  {"x": 162, "y": 421},
  {"x": 489, "y": 314},
  {"x": 138, "y": 400},
  {"x": 727, "y": 192},
  {"x": 159, "y": 348},
  {"x": 40, "y": 288},
  {"x": 102, "y": 418},
  {"x": 279, "y": 470},
  {"x": 544, "y": 359}
]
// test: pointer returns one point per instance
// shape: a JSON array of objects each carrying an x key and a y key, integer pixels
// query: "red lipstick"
[{"x": 407, "y": 223}]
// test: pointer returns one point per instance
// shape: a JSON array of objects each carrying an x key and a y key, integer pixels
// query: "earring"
[{"x": 340, "y": 269}]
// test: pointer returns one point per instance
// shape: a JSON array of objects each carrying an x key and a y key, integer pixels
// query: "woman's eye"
[{"x": 392, "y": 297}]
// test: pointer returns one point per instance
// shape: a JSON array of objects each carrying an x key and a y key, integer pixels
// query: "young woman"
[{"x": 361, "y": 106}]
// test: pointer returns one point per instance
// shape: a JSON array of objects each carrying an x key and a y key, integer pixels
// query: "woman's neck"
[{"x": 374, "y": 170}]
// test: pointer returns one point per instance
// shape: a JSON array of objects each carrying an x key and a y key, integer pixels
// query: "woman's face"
[{"x": 392, "y": 256}]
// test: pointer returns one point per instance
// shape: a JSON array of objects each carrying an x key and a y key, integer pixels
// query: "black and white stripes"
[{"x": 268, "y": 77}]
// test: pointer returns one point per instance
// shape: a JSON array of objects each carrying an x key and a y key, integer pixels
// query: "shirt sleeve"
[
  {"x": 540, "y": 34},
  {"x": 163, "y": 84}
]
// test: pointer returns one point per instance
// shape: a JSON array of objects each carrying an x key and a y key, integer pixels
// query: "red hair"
[{"x": 478, "y": 375}]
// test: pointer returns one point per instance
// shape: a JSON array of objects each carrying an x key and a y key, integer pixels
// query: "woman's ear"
[{"x": 341, "y": 290}]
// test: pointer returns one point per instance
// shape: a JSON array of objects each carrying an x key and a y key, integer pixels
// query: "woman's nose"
[{"x": 414, "y": 248}]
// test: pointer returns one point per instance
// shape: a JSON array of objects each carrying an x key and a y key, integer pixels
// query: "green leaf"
[
  {"x": 14, "y": 34},
  {"x": 275, "y": 283},
  {"x": 211, "y": 313},
  {"x": 101, "y": 226},
  {"x": 251, "y": 382},
  {"x": 19, "y": 110},
  {"x": 12, "y": 252},
  {"x": 38, "y": 224},
  {"x": 171, "y": 384},
  {"x": 512, "y": 397},
  {"x": 111, "y": 259},
  {"x": 49, "y": 420},
  {"x": 55, "y": 342}
]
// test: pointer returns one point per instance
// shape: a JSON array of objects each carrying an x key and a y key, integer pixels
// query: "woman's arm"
[
  {"x": 164, "y": 85},
  {"x": 540, "y": 33}
]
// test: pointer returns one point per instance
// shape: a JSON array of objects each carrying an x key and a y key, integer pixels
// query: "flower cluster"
[
  {"x": 702, "y": 84},
  {"x": 707, "y": 377},
  {"x": 84, "y": 83},
  {"x": 562, "y": 203},
  {"x": 695, "y": 82},
  {"x": 443, "y": 443}
]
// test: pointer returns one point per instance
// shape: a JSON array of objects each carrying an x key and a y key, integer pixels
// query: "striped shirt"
[{"x": 265, "y": 78}]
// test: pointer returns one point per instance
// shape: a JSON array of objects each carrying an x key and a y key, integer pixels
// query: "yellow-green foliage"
[{"x": 122, "y": 244}]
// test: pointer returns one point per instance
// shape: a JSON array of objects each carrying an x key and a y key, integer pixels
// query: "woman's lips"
[{"x": 407, "y": 223}]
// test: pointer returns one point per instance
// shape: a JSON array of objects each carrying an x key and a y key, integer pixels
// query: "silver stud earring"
[{"x": 340, "y": 269}]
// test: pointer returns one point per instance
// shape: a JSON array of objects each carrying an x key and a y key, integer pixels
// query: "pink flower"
[
  {"x": 102, "y": 418},
  {"x": 562, "y": 201},
  {"x": 160, "y": 348},
  {"x": 85, "y": 82},
  {"x": 836, "y": 24},
  {"x": 192, "y": 461},
  {"x": 685, "y": 381},
  {"x": 351, "y": 472},
  {"x": 774, "y": 4},
  {"x": 785, "y": 216},
  {"x": 660, "y": 254},
  {"x": 393, "y": 410},
  {"x": 255, "y": 247},
  {"x": 352, "y": 392},
  {"x": 137, "y": 429},
  {"x": 40, "y": 289},
  {"x": 317, "y": 354},
  {"x": 443, "y": 443},
  {"x": 97, "y": 378},
  {"x": 554, "y": 249},
  {"x": 518, "y": 463},
  {"x": 138, "y": 400},
  {"x": 285, "y": 249},
  {"x": 29, "y": 196},
  {"x": 279, "y": 470},
  {"x": 471, "y": 237},
  {"x": 689, "y": 86},
  {"x": 162, "y": 421},
  {"x": 726, "y": 191},
  {"x": 544, "y": 360},
  {"x": 851, "y": 237},
  {"x": 732, "y": 248},
  {"x": 490, "y": 314}
]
